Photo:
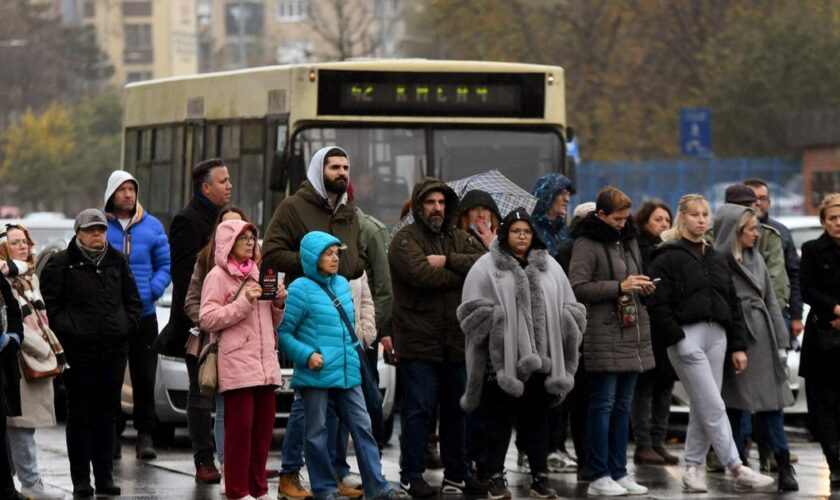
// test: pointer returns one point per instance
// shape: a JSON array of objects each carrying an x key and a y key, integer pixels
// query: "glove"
[{"x": 6, "y": 338}]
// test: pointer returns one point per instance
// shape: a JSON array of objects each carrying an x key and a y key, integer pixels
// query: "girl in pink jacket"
[{"x": 248, "y": 367}]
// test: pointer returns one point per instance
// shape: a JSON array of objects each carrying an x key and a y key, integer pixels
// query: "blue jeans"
[
  {"x": 292, "y": 455},
  {"x": 219, "y": 428},
  {"x": 338, "y": 435},
  {"x": 772, "y": 424},
  {"x": 23, "y": 458},
  {"x": 349, "y": 405},
  {"x": 608, "y": 422},
  {"x": 425, "y": 383}
]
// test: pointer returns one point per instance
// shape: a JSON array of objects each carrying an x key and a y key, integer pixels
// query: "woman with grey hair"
[{"x": 762, "y": 388}]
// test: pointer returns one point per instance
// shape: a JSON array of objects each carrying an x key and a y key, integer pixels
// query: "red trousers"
[{"x": 249, "y": 422}]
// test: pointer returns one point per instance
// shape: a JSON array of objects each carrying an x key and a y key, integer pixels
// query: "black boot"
[
  {"x": 832, "y": 456},
  {"x": 787, "y": 476}
]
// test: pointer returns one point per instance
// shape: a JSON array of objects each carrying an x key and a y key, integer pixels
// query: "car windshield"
[{"x": 387, "y": 162}]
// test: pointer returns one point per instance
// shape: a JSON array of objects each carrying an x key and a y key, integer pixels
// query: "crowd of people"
[{"x": 530, "y": 321}]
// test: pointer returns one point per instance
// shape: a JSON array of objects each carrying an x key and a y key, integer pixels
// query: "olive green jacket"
[{"x": 375, "y": 242}]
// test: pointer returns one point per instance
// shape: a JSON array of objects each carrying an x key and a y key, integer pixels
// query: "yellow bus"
[{"x": 399, "y": 120}]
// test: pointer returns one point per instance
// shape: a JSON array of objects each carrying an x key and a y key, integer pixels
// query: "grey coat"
[
  {"x": 753, "y": 389},
  {"x": 607, "y": 347},
  {"x": 519, "y": 321}
]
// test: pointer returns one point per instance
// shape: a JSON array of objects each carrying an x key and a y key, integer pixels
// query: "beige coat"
[
  {"x": 36, "y": 398},
  {"x": 364, "y": 309}
]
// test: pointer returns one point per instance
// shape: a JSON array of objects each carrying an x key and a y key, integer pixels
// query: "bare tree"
[{"x": 348, "y": 28}]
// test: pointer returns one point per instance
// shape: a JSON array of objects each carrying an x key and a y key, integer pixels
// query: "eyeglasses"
[
  {"x": 19, "y": 243},
  {"x": 245, "y": 239},
  {"x": 521, "y": 232},
  {"x": 763, "y": 198}
]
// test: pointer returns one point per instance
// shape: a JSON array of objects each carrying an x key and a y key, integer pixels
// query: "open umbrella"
[{"x": 505, "y": 193}]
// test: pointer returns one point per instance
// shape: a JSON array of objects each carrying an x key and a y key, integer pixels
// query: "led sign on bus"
[{"x": 514, "y": 95}]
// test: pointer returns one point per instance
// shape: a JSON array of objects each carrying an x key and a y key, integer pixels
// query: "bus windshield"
[{"x": 387, "y": 162}]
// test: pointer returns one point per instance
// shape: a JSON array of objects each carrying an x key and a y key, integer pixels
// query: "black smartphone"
[{"x": 268, "y": 283}]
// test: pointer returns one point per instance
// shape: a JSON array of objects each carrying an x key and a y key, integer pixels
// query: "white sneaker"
[
  {"x": 692, "y": 480},
  {"x": 606, "y": 487},
  {"x": 352, "y": 480},
  {"x": 748, "y": 479},
  {"x": 40, "y": 491},
  {"x": 561, "y": 462},
  {"x": 633, "y": 488}
]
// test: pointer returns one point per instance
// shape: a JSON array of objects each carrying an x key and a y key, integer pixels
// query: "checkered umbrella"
[{"x": 505, "y": 193}]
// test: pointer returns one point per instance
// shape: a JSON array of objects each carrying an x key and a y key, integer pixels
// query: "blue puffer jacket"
[
  {"x": 148, "y": 255},
  {"x": 312, "y": 324}
]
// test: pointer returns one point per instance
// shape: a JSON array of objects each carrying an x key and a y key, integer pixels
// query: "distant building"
[
  {"x": 143, "y": 39},
  {"x": 238, "y": 33}
]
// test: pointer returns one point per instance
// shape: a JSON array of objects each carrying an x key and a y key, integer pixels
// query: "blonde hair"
[
  {"x": 830, "y": 200},
  {"x": 683, "y": 207},
  {"x": 737, "y": 247}
]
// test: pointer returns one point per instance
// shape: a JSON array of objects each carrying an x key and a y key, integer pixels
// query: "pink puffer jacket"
[{"x": 248, "y": 345}]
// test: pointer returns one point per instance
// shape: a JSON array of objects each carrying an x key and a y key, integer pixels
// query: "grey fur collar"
[{"x": 506, "y": 262}]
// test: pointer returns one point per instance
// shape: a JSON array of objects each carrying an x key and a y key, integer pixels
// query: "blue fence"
[{"x": 670, "y": 179}]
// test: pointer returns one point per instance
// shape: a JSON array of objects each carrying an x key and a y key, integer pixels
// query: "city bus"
[{"x": 399, "y": 120}]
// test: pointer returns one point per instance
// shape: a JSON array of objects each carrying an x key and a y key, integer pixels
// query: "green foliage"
[{"x": 60, "y": 159}]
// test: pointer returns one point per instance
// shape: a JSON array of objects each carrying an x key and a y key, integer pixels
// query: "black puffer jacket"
[
  {"x": 691, "y": 291},
  {"x": 426, "y": 297},
  {"x": 92, "y": 308},
  {"x": 9, "y": 371}
]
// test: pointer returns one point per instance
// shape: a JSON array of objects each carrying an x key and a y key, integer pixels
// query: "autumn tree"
[
  {"x": 348, "y": 29},
  {"x": 44, "y": 60},
  {"x": 37, "y": 151}
]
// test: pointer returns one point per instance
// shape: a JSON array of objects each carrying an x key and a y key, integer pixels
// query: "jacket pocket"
[{"x": 230, "y": 343}]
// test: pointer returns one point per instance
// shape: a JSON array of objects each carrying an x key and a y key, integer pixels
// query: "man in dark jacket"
[
  {"x": 321, "y": 204},
  {"x": 94, "y": 308},
  {"x": 189, "y": 232},
  {"x": 139, "y": 235},
  {"x": 429, "y": 260}
]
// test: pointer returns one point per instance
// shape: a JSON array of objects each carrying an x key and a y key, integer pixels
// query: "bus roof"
[{"x": 258, "y": 92}]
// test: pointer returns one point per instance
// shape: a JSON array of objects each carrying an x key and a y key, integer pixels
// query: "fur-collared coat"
[{"x": 522, "y": 321}]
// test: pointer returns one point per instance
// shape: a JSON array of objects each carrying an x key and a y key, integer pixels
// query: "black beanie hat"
[{"x": 518, "y": 214}]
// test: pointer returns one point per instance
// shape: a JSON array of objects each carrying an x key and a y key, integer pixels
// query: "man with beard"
[
  {"x": 429, "y": 260},
  {"x": 321, "y": 204}
]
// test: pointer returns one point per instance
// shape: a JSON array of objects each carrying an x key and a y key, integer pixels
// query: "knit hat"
[
  {"x": 89, "y": 217},
  {"x": 740, "y": 194},
  {"x": 518, "y": 214},
  {"x": 583, "y": 209}
]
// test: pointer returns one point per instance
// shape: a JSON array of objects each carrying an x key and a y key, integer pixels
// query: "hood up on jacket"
[
  {"x": 476, "y": 197},
  {"x": 311, "y": 247},
  {"x": 315, "y": 174},
  {"x": 426, "y": 186},
  {"x": 547, "y": 188},
  {"x": 504, "y": 231},
  {"x": 118, "y": 177},
  {"x": 727, "y": 219},
  {"x": 595, "y": 229},
  {"x": 226, "y": 234}
]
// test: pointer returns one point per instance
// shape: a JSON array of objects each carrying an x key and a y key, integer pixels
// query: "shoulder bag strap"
[{"x": 341, "y": 311}]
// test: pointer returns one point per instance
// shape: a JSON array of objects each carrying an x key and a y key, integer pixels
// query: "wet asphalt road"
[{"x": 171, "y": 475}]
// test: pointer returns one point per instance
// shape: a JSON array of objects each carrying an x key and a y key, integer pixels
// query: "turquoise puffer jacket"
[{"x": 312, "y": 324}]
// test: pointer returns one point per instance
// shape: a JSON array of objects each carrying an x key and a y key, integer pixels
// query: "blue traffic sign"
[{"x": 696, "y": 131}]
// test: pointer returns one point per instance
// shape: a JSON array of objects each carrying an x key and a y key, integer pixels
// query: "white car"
[
  {"x": 171, "y": 384},
  {"x": 802, "y": 229}
]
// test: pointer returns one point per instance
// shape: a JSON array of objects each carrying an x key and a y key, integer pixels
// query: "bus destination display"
[{"x": 509, "y": 95}]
